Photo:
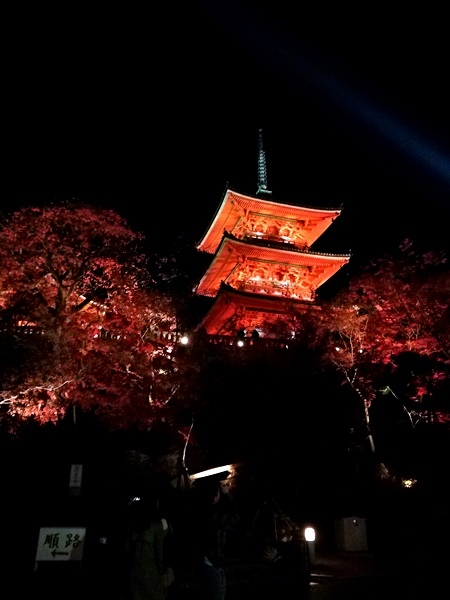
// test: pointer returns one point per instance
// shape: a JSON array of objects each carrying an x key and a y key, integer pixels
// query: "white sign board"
[
  {"x": 76, "y": 475},
  {"x": 60, "y": 543}
]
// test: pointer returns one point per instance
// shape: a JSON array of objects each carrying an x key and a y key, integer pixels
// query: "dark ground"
[{"x": 407, "y": 532}]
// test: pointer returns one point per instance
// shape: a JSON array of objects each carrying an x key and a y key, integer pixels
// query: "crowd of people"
[{"x": 169, "y": 533}]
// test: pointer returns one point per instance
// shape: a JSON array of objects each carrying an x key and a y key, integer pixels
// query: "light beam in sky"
[{"x": 287, "y": 56}]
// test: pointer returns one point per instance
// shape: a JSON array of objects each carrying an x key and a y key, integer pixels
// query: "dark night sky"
[{"x": 153, "y": 111}]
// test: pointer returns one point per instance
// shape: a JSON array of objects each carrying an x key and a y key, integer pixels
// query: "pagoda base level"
[{"x": 242, "y": 313}]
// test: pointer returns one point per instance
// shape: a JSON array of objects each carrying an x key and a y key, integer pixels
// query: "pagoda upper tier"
[{"x": 259, "y": 219}]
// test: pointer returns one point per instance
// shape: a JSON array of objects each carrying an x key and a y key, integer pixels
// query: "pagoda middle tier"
[{"x": 268, "y": 267}]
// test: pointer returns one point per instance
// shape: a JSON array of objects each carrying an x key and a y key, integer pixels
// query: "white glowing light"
[
  {"x": 209, "y": 472},
  {"x": 409, "y": 483},
  {"x": 310, "y": 534},
  {"x": 184, "y": 340}
]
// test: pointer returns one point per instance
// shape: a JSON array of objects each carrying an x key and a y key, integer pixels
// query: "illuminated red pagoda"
[{"x": 262, "y": 264}]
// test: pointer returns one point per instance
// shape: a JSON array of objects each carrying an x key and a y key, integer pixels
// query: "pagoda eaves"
[
  {"x": 270, "y": 270},
  {"x": 234, "y": 310},
  {"x": 248, "y": 216}
]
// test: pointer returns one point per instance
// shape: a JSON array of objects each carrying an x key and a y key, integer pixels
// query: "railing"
[
  {"x": 33, "y": 330},
  {"x": 273, "y": 241},
  {"x": 174, "y": 337},
  {"x": 23, "y": 330},
  {"x": 243, "y": 342}
]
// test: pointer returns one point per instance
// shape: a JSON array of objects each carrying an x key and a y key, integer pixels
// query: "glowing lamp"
[{"x": 310, "y": 537}]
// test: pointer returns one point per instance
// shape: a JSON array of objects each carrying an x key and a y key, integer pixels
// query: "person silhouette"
[
  {"x": 214, "y": 515},
  {"x": 149, "y": 572}
]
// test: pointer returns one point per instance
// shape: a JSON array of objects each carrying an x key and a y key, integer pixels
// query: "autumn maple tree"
[
  {"x": 388, "y": 333},
  {"x": 82, "y": 326}
]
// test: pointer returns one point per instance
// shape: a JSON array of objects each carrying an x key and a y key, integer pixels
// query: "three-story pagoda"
[{"x": 262, "y": 266}]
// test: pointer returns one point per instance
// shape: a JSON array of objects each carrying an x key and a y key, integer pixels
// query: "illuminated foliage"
[
  {"x": 390, "y": 329},
  {"x": 81, "y": 325}
]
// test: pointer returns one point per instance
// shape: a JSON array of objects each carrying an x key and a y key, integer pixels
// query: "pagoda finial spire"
[{"x": 262, "y": 171}]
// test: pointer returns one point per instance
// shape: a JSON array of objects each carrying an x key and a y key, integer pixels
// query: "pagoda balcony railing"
[
  {"x": 266, "y": 287},
  {"x": 275, "y": 241},
  {"x": 274, "y": 288},
  {"x": 269, "y": 241}
]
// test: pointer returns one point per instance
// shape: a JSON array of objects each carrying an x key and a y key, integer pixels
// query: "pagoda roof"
[
  {"x": 319, "y": 266},
  {"x": 220, "y": 317},
  {"x": 235, "y": 206}
]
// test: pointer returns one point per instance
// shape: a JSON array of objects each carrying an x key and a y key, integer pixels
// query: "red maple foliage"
[
  {"x": 391, "y": 328},
  {"x": 81, "y": 324}
]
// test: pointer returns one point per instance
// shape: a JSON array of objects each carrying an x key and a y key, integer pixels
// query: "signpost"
[
  {"x": 76, "y": 475},
  {"x": 60, "y": 544}
]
